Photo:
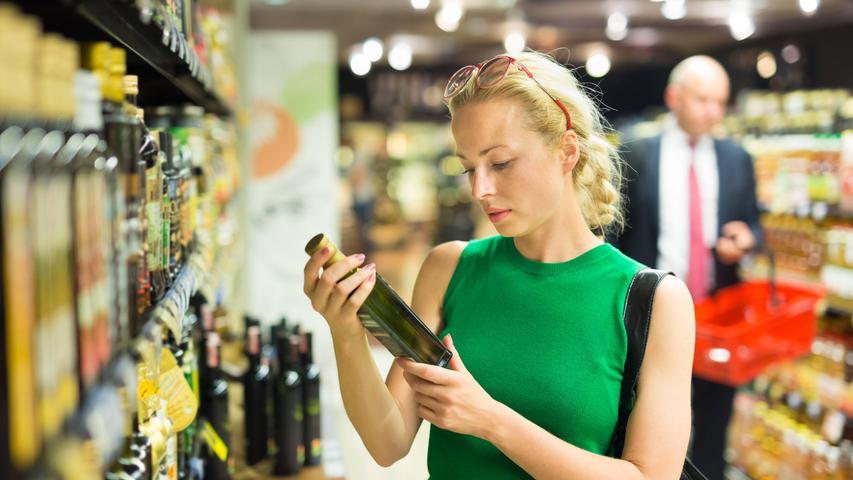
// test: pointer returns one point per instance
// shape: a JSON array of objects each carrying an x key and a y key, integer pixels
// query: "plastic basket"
[{"x": 739, "y": 331}]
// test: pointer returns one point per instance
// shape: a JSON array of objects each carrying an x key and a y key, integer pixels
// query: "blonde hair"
[{"x": 597, "y": 176}]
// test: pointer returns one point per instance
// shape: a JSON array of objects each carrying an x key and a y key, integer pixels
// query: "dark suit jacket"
[{"x": 639, "y": 239}]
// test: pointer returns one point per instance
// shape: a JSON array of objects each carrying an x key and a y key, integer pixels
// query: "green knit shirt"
[{"x": 545, "y": 339}]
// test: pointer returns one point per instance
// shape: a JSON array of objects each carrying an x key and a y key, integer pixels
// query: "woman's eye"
[
  {"x": 467, "y": 171},
  {"x": 501, "y": 165}
]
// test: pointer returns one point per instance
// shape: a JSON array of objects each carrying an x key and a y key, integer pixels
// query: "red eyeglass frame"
[{"x": 470, "y": 71}]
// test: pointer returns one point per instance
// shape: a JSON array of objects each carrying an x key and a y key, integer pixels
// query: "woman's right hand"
[{"x": 335, "y": 299}]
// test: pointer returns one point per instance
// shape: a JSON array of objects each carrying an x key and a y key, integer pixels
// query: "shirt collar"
[{"x": 673, "y": 131}]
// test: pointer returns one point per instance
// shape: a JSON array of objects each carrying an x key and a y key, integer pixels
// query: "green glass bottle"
[{"x": 385, "y": 315}]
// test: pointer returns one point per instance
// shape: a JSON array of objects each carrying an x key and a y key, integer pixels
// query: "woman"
[{"x": 533, "y": 316}]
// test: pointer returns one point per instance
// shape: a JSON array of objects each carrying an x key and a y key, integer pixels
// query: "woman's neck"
[{"x": 565, "y": 237}]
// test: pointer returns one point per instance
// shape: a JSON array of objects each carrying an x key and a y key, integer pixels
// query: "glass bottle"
[
  {"x": 256, "y": 388},
  {"x": 385, "y": 315}
]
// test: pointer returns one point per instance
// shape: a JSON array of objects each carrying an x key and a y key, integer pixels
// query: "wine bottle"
[
  {"x": 256, "y": 388},
  {"x": 288, "y": 408},
  {"x": 310, "y": 400},
  {"x": 214, "y": 408},
  {"x": 385, "y": 315}
]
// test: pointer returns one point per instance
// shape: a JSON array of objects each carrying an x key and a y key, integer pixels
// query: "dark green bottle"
[{"x": 385, "y": 315}]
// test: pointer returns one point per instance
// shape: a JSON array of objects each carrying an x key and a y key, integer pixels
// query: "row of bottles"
[
  {"x": 101, "y": 209},
  {"x": 801, "y": 174},
  {"x": 795, "y": 112},
  {"x": 795, "y": 421},
  {"x": 813, "y": 251},
  {"x": 282, "y": 399},
  {"x": 181, "y": 428}
]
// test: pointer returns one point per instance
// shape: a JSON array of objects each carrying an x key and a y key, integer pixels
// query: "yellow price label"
[{"x": 214, "y": 441}]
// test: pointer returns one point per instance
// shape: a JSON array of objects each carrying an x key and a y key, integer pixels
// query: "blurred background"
[{"x": 273, "y": 120}]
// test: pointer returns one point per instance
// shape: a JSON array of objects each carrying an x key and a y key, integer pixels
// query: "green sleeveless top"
[{"x": 545, "y": 339}]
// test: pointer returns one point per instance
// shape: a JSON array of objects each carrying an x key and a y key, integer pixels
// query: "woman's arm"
[
  {"x": 658, "y": 429},
  {"x": 383, "y": 416}
]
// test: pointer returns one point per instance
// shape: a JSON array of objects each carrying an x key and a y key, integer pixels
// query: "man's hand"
[{"x": 736, "y": 242}]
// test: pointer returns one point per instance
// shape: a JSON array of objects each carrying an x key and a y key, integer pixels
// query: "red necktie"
[{"x": 697, "y": 278}]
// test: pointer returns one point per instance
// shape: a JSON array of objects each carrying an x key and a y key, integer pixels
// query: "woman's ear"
[{"x": 570, "y": 151}]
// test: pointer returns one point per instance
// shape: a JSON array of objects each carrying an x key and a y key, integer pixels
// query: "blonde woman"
[{"x": 533, "y": 316}]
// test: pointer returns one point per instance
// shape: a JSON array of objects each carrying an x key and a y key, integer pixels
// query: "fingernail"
[
  {"x": 359, "y": 257},
  {"x": 370, "y": 267},
  {"x": 325, "y": 250}
]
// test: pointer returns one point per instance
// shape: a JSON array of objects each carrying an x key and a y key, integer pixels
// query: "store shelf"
[
  {"x": 169, "y": 311},
  {"x": 169, "y": 70}
]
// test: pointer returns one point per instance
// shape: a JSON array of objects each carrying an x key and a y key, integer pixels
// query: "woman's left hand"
[{"x": 450, "y": 398}]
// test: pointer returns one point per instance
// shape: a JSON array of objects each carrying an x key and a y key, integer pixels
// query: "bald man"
[{"x": 691, "y": 209}]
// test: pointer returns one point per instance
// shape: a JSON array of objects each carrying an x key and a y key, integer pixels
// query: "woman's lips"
[{"x": 497, "y": 215}]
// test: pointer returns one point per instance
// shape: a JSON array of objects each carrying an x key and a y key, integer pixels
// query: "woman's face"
[{"x": 517, "y": 179}]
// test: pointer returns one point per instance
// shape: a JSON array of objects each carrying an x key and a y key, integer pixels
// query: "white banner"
[{"x": 293, "y": 189}]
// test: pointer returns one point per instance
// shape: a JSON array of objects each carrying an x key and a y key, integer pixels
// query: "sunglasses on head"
[{"x": 491, "y": 73}]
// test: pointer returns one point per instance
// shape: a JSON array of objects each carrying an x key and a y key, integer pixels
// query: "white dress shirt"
[{"x": 674, "y": 213}]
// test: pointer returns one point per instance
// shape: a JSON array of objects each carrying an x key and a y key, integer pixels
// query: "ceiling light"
[
  {"x": 400, "y": 56},
  {"x": 791, "y": 53},
  {"x": 766, "y": 64},
  {"x": 673, "y": 9},
  {"x": 741, "y": 26},
  {"x": 420, "y": 4},
  {"x": 449, "y": 16},
  {"x": 514, "y": 42},
  {"x": 617, "y": 26},
  {"x": 277, "y": 2},
  {"x": 597, "y": 65},
  {"x": 809, "y": 7},
  {"x": 359, "y": 64},
  {"x": 373, "y": 49}
]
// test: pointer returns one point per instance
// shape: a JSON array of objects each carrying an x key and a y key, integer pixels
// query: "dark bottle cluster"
[{"x": 282, "y": 399}]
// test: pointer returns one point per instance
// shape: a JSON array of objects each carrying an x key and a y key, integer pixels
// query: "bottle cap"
[
  {"x": 254, "y": 341},
  {"x": 321, "y": 241}
]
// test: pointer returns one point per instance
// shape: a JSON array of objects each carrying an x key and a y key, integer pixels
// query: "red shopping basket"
[{"x": 743, "y": 329}]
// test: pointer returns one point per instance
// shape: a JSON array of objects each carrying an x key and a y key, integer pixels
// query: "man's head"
[{"x": 697, "y": 94}]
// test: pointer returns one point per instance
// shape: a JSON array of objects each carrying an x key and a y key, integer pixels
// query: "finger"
[
  {"x": 347, "y": 286},
  {"x": 332, "y": 275},
  {"x": 427, "y": 414},
  {"x": 430, "y": 373},
  {"x": 456, "y": 359},
  {"x": 311, "y": 272},
  {"x": 431, "y": 403},
  {"x": 357, "y": 298},
  {"x": 423, "y": 387},
  {"x": 734, "y": 228}
]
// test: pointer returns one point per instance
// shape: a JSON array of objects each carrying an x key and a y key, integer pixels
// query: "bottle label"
[
  {"x": 313, "y": 407},
  {"x": 316, "y": 447},
  {"x": 214, "y": 441},
  {"x": 24, "y": 431},
  {"x": 155, "y": 223},
  {"x": 165, "y": 220},
  {"x": 182, "y": 404}
]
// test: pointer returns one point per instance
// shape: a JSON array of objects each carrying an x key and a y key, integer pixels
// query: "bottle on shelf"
[
  {"x": 310, "y": 400},
  {"x": 385, "y": 315},
  {"x": 214, "y": 404},
  {"x": 136, "y": 165},
  {"x": 256, "y": 388},
  {"x": 21, "y": 437},
  {"x": 289, "y": 416}
]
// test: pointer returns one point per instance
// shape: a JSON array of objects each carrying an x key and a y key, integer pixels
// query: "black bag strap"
[{"x": 637, "y": 317}]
